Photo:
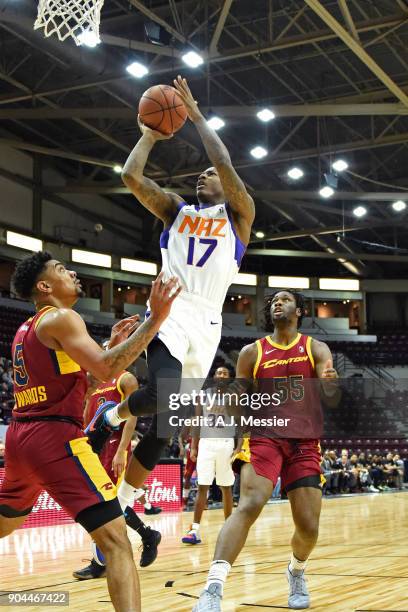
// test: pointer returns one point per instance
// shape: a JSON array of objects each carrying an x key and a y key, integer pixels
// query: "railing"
[
  {"x": 316, "y": 324},
  {"x": 339, "y": 363},
  {"x": 383, "y": 375},
  {"x": 345, "y": 366}
]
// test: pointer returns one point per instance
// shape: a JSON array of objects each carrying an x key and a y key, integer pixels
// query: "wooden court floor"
[{"x": 360, "y": 563}]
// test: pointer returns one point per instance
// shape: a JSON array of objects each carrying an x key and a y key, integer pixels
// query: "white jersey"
[{"x": 202, "y": 249}]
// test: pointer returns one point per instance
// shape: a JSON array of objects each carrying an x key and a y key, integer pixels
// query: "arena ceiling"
[{"x": 334, "y": 72}]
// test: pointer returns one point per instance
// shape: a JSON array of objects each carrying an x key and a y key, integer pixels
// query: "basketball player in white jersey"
[
  {"x": 203, "y": 245},
  {"x": 214, "y": 453}
]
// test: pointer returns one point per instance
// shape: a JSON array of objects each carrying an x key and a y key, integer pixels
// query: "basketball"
[{"x": 161, "y": 109}]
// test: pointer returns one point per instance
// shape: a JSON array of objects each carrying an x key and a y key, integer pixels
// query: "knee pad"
[
  {"x": 149, "y": 450},
  {"x": 143, "y": 401}
]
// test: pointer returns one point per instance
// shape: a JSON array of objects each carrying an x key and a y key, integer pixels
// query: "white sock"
[
  {"x": 195, "y": 527},
  {"x": 186, "y": 493},
  {"x": 218, "y": 573},
  {"x": 126, "y": 495},
  {"x": 112, "y": 416},
  {"x": 148, "y": 505},
  {"x": 295, "y": 564}
]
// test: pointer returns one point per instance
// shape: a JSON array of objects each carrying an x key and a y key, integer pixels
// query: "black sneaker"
[
  {"x": 94, "y": 570},
  {"x": 150, "y": 543},
  {"x": 98, "y": 430},
  {"x": 153, "y": 510}
]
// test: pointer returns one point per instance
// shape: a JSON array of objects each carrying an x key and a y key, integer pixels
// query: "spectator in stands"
[
  {"x": 364, "y": 480},
  {"x": 376, "y": 471},
  {"x": 393, "y": 473},
  {"x": 326, "y": 471},
  {"x": 347, "y": 478},
  {"x": 331, "y": 472},
  {"x": 173, "y": 448},
  {"x": 362, "y": 460},
  {"x": 2, "y": 447},
  {"x": 3, "y": 412},
  {"x": 5, "y": 389},
  {"x": 399, "y": 466}
]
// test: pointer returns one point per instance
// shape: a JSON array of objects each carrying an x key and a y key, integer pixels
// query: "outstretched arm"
[
  {"x": 63, "y": 329},
  {"x": 241, "y": 203},
  {"x": 162, "y": 204}
]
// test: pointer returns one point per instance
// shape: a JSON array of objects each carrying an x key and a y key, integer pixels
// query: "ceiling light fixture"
[
  {"x": 89, "y": 39},
  {"x": 216, "y": 123},
  {"x": 265, "y": 115},
  {"x": 192, "y": 59},
  {"x": 137, "y": 70},
  {"x": 340, "y": 165},
  {"x": 259, "y": 152},
  {"x": 360, "y": 211},
  {"x": 326, "y": 191},
  {"x": 399, "y": 205},
  {"x": 295, "y": 173}
]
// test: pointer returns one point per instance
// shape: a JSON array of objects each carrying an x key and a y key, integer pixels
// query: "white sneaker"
[
  {"x": 210, "y": 600},
  {"x": 299, "y": 597},
  {"x": 373, "y": 489}
]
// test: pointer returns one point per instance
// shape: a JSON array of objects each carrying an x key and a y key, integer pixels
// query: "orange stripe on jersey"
[
  {"x": 258, "y": 358},
  {"x": 309, "y": 351}
]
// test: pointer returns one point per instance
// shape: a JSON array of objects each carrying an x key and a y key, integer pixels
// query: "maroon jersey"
[
  {"x": 288, "y": 371},
  {"x": 46, "y": 381},
  {"x": 106, "y": 392},
  {"x": 279, "y": 361}
]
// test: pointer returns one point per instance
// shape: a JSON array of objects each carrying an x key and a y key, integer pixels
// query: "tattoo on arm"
[
  {"x": 121, "y": 356},
  {"x": 235, "y": 191},
  {"x": 150, "y": 194}
]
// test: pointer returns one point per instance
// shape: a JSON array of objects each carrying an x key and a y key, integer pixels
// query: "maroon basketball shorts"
[
  {"x": 54, "y": 456},
  {"x": 292, "y": 460}
]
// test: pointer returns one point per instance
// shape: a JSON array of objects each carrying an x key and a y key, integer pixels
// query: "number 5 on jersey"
[{"x": 20, "y": 372}]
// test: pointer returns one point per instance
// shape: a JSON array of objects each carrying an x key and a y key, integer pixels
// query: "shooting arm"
[
  {"x": 241, "y": 203},
  {"x": 161, "y": 203}
]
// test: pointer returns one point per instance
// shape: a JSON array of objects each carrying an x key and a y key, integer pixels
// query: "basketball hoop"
[{"x": 75, "y": 18}]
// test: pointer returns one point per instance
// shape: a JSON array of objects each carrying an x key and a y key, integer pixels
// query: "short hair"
[
  {"x": 300, "y": 303},
  {"x": 27, "y": 272}
]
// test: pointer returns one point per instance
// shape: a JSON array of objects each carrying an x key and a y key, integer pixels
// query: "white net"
[{"x": 75, "y": 18}]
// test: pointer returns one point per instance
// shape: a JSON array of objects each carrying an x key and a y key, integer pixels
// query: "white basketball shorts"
[
  {"x": 214, "y": 461},
  {"x": 192, "y": 333}
]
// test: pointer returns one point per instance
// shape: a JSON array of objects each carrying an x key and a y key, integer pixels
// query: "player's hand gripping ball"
[{"x": 162, "y": 109}]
